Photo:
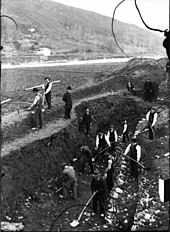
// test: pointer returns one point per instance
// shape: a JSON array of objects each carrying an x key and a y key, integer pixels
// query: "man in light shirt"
[
  {"x": 36, "y": 108},
  {"x": 151, "y": 118},
  {"x": 134, "y": 151},
  {"x": 125, "y": 132},
  {"x": 47, "y": 86},
  {"x": 69, "y": 181},
  {"x": 112, "y": 138}
]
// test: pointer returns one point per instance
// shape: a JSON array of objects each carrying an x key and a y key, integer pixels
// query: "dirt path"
[{"x": 50, "y": 128}]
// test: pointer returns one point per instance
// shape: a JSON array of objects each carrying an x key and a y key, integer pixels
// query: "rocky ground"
[{"x": 132, "y": 205}]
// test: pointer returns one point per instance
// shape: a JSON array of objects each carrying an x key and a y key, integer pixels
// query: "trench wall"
[{"x": 34, "y": 164}]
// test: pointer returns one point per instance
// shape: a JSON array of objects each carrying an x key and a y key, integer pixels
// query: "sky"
[{"x": 155, "y": 13}]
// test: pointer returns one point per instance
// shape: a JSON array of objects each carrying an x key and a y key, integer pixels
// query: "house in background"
[{"x": 43, "y": 51}]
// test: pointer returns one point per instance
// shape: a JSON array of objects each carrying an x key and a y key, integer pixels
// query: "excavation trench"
[{"x": 32, "y": 166}]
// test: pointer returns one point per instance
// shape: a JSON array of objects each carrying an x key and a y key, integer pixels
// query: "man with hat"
[
  {"x": 69, "y": 181},
  {"x": 98, "y": 185},
  {"x": 36, "y": 106},
  {"x": 67, "y": 98},
  {"x": 151, "y": 118},
  {"x": 112, "y": 138},
  {"x": 47, "y": 86},
  {"x": 134, "y": 151}
]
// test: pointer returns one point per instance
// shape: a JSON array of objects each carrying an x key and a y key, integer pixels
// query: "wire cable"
[
  {"x": 113, "y": 29},
  {"x": 153, "y": 29},
  {"x": 6, "y": 16}
]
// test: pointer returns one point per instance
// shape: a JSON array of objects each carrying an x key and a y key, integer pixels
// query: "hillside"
[{"x": 68, "y": 30}]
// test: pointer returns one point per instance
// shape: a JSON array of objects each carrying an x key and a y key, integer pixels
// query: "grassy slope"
[{"x": 69, "y": 28}]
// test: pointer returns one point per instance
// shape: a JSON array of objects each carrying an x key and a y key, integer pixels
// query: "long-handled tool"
[
  {"x": 38, "y": 86},
  {"x": 76, "y": 222},
  {"x": 94, "y": 158},
  {"x": 138, "y": 163}
]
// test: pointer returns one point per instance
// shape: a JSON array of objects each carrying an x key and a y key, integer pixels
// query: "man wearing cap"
[
  {"x": 151, "y": 118},
  {"x": 69, "y": 181},
  {"x": 98, "y": 185},
  {"x": 112, "y": 138},
  {"x": 134, "y": 151},
  {"x": 67, "y": 98},
  {"x": 109, "y": 170},
  {"x": 36, "y": 106},
  {"x": 47, "y": 91}
]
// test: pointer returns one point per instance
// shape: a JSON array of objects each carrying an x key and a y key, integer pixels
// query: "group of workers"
[
  {"x": 37, "y": 107},
  {"x": 150, "y": 90},
  {"x": 105, "y": 145}
]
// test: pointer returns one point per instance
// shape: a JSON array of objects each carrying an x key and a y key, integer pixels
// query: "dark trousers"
[
  {"x": 48, "y": 99},
  {"x": 38, "y": 118},
  {"x": 90, "y": 164},
  {"x": 67, "y": 113},
  {"x": 87, "y": 128},
  {"x": 134, "y": 169},
  {"x": 109, "y": 180},
  {"x": 98, "y": 199},
  {"x": 125, "y": 136},
  {"x": 147, "y": 96},
  {"x": 151, "y": 132}
]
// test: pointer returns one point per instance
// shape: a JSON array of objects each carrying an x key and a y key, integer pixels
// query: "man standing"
[
  {"x": 112, "y": 138},
  {"x": 36, "y": 106},
  {"x": 109, "y": 171},
  {"x": 98, "y": 186},
  {"x": 134, "y": 151},
  {"x": 47, "y": 91},
  {"x": 67, "y": 98},
  {"x": 101, "y": 143},
  {"x": 69, "y": 181},
  {"x": 86, "y": 156},
  {"x": 125, "y": 132},
  {"x": 86, "y": 121},
  {"x": 147, "y": 90},
  {"x": 151, "y": 118},
  {"x": 130, "y": 87}
]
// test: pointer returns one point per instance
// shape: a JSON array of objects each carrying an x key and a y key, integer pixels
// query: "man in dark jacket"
[
  {"x": 86, "y": 156},
  {"x": 86, "y": 121},
  {"x": 47, "y": 91},
  {"x": 98, "y": 185},
  {"x": 67, "y": 98},
  {"x": 36, "y": 106},
  {"x": 147, "y": 90}
]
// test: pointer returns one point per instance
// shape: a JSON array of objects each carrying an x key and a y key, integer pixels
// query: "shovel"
[{"x": 76, "y": 222}]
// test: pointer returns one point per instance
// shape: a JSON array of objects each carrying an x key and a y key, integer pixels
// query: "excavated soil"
[{"x": 31, "y": 160}]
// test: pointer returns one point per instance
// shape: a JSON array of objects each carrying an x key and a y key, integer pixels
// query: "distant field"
[{"x": 14, "y": 81}]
